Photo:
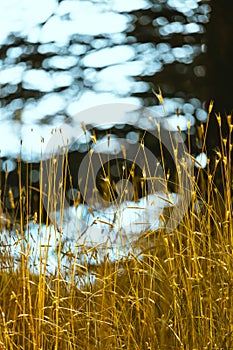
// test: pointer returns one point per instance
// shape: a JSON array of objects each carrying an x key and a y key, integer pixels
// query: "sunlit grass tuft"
[{"x": 176, "y": 295}]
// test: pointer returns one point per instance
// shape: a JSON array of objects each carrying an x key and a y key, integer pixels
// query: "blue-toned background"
[{"x": 59, "y": 58}]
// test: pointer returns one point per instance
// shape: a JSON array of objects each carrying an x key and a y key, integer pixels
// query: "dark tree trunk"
[{"x": 220, "y": 67}]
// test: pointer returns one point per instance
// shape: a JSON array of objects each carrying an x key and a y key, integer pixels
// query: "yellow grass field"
[{"x": 177, "y": 295}]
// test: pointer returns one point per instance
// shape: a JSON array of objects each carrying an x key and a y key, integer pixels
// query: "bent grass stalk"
[{"x": 177, "y": 294}]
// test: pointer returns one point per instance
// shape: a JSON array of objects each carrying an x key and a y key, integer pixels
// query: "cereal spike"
[
  {"x": 159, "y": 95},
  {"x": 210, "y": 107}
]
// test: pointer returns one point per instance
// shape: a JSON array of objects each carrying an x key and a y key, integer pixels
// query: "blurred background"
[{"x": 60, "y": 57}]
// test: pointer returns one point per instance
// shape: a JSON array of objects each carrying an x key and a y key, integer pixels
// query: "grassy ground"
[{"x": 178, "y": 295}]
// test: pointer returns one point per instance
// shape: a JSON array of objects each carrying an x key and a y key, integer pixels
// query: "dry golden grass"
[{"x": 178, "y": 295}]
